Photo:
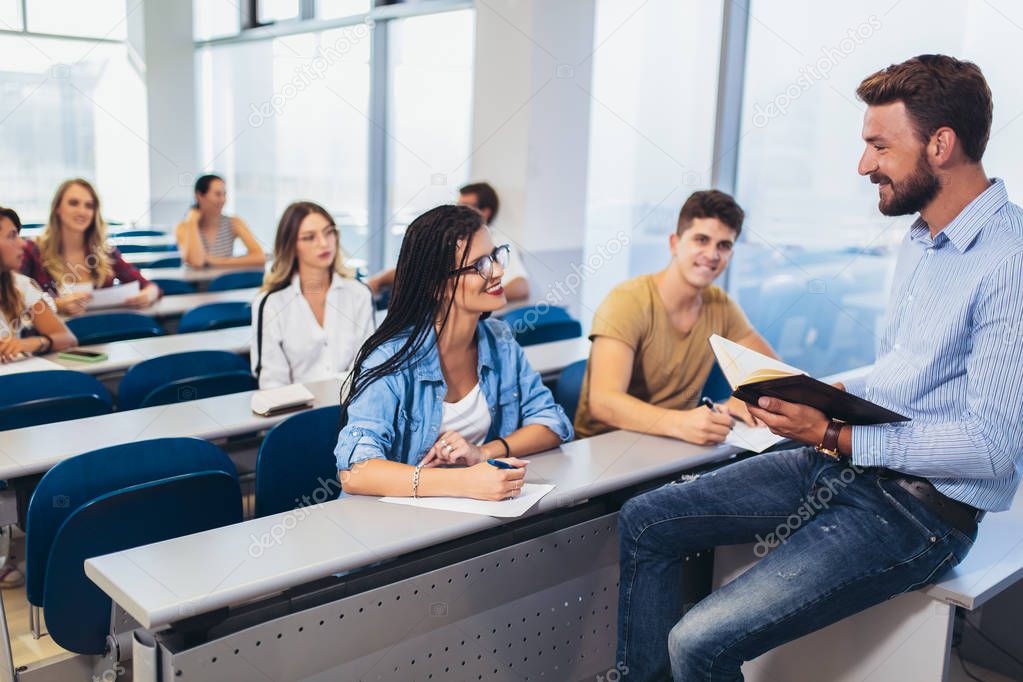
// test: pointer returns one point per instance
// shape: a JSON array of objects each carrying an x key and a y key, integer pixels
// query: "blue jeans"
[{"x": 843, "y": 539}]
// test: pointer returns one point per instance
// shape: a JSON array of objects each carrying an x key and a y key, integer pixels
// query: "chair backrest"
[
  {"x": 172, "y": 262},
  {"x": 77, "y": 611},
  {"x": 216, "y": 316},
  {"x": 542, "y": 323},
  {"x": 236, "y": 280},
  {"x": 77, "y": 480},
  {"x": 570, "y": 383},
  {"x": 199, "y": 387},
  {"x": 33, "y": 398},
  {"x": 296, "y": 465},
  {"x": 142, "y": 379},
  {"x": 110, "y": 327},
  {"x": 146, "y": 248},
  {"x": 138, "y": 233},
  {"x": 717, "y": 387},
  {"x": 173, "y": 287},
  {"x": 549, "y": 332}
]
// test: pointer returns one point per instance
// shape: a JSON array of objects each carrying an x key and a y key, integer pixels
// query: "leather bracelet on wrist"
[{"x": 829, "y": 443}]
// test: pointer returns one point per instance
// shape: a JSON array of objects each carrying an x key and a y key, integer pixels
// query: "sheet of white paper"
[
  {"x": 30, "y": 364},
  {"x": 111, "y": 297},
  {"x": 755, "y": 439},
  {"x": 738, "y": 362},
  {"x": 516, "y": 506}
]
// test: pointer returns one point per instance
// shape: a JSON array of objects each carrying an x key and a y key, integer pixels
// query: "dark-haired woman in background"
[
  {"x": 206, "y": 236},
  {"x": 439, "y": 383},
  {"x": 312, "y": 315}
]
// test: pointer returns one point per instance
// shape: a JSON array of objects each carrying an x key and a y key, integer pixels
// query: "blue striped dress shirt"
[{"x": 951, "y": 357}]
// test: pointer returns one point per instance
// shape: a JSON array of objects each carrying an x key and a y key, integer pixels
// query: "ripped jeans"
[{"x": 841, "y": 539}]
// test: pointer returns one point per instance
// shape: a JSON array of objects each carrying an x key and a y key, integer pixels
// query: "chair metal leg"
[{"x": 34, "y": 621}]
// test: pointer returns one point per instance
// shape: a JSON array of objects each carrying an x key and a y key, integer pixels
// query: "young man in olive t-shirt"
[{"x": 650, "y": 356}]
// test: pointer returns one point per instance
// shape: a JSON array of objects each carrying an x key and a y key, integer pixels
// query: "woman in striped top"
[{"x": 206, "y": 236}]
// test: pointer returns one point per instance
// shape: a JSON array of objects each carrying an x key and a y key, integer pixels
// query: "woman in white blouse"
[
  {"x": 313, "y": 315},
  {"x": 23, "y": 305}
]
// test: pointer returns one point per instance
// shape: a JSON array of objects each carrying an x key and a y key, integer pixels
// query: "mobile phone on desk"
[{"x": 82, "y": 355}]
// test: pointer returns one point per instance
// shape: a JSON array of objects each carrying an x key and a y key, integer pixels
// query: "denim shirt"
[{"x": 398, "y": 416}]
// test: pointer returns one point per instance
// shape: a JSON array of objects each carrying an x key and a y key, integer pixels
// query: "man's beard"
[{"x": 910, "y": 195}]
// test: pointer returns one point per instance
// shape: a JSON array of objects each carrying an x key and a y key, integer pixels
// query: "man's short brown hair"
[
  {"x": 711, "y": 203},
  {"x": 937, "y": 91}
]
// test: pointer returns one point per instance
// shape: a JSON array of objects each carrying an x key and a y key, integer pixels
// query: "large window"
[
  {"x": 290, "y": 117},
  {"x": 286, "y": 119},
  {"x": 654, "y": 90},
  {"x": 71, "y": 108},
  {"x": 813, "y": 268},
  {"x": 430, "y": 115}
]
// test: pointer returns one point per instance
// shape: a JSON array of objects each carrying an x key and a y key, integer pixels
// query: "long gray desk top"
[
  {"x": 157, "y": 584},
  {"x": 176, "y": 306},
  {"x": 36, "y": 449},
  {"x": 123, "y": 354}
]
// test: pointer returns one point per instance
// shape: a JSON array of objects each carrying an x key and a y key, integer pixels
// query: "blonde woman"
[
  {"x": 313, "y": 315},
  {"x": 73, "y": 250},
  {"x": 206, "y": 236}
]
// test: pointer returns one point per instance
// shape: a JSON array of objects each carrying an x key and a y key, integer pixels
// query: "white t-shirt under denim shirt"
[
  {"x": 469, "y": 417},
  {"x": 296, "y": 348},
  {"x": 31, "y": 295}
]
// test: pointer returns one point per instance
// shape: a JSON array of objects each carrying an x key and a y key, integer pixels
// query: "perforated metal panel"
[{"x": 543, "y": 609}]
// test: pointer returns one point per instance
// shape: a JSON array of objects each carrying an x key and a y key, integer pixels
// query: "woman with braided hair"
[{"x": 439, "y": 383}]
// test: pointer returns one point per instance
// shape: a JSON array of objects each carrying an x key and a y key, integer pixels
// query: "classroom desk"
[
  {"x": 123, "y": 354},
  {"x": 170, "y": 307},
  {"x": 166, "y": 240}
]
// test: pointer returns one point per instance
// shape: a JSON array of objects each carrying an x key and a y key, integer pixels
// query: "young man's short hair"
[
  {"x": 486, "y": 197},
  {"x": 711, "y": 203},
  {"x": 937, "y": 91}
]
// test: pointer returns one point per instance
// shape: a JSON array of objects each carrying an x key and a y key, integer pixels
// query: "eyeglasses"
[{"x": 484, "y": 265}]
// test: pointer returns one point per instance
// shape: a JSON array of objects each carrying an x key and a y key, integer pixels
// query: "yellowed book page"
[{"x": 739, "y": 363}]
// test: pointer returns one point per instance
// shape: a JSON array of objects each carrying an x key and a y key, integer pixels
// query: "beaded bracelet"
[{"x": 415, "y": 481}]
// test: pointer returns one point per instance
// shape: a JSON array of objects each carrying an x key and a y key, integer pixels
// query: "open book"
[{"x": 752, "y": 375}]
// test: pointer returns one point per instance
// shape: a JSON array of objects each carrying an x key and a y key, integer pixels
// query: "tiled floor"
[{"x": 24, "y": 649}]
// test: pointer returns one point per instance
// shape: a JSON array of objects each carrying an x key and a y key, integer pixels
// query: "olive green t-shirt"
[{"x": 670, "y": 368}]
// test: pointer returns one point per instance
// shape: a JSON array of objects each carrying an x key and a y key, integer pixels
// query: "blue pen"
[{"x": 501, "y": 464}]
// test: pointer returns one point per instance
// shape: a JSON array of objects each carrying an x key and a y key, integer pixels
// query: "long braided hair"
[{"x": 420, "y": 296}]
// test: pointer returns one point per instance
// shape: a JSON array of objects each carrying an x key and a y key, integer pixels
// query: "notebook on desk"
[{"x": 753, "y": 375}]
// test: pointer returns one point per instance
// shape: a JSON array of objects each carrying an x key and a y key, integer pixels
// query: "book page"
[
  {"x": 752, "y": 438},
  {"x": 111, "y": 297},
  {"x": 738, "y": 363},
  {"x": 515, "y": 506}
]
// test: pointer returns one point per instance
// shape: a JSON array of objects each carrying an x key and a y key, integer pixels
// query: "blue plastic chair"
[
  {"x": 146, "y": 248},
  {"x": 173, "y": 287},
  {"x": 110, "y": 327},
  {"x": 216, "y": 316},
  {"x": 143, "y": 385},
  {"x": 296, "y": 461},
  {"x": 570, "y": 384},
  {"x": 236, "y": 280},
  {"x": 77, "y": 480},
  {"x": 77, "y": 611},
  {"x": 172, "y": 262},
  {"x": 139, "y": 233},
  {"x": 542, "y": 324},
  {"x": 717, "y": 387},
  {"x": 33, "y": 398}
]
